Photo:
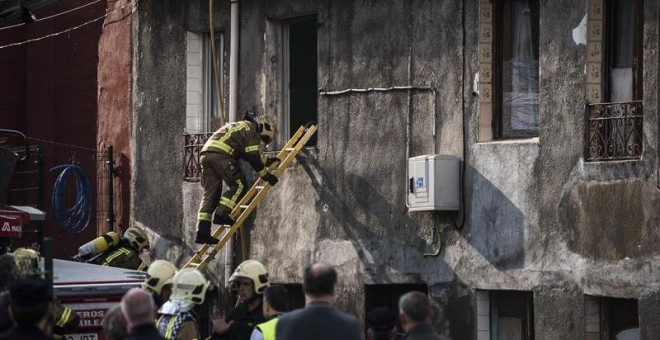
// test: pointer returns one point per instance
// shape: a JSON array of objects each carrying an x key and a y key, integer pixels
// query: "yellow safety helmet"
[
  {"x": 27, "y": 261},
  {"x": 189, "y": 285},
  {"x": 137, "y": 237},
  {"x": 159, "y": 274},
  {"x": 253, "y": 270},
  {"x": 266, "y": 129}
]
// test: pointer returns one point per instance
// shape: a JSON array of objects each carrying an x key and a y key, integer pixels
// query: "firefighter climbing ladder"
[{"x": 252, "y": 198}]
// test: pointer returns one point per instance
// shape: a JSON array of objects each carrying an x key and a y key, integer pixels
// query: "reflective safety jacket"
[
  {"x": 64, "y": 318},
  {"x": 122, "y": 256},
  {"x": 268, "y": 328},
  {"x": 239, "y": 140},
  {"x": 180, "y": 326}
]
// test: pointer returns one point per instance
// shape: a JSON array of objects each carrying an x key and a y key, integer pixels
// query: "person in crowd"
[
  {"x": 177, "y": 320},
  {"x": 415, "y": 317},
  {"x": 8, "y": 274},
  {"x": 250, "y": 279},
  {"x": 139, "y": 309},
  {"x": 114, "y": 324},
  {"x": 158, "y": 281},
  {"x": 27, "y": 264},
  {"x": 381, "y": 324},
  {"x": 30, "y": 301},
  {"x": 276, "y": 302},
  {"x": 319, "y": 320}
]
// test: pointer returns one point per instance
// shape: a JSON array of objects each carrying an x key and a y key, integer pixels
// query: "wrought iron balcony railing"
[
  {"x": 614, "y": 131},
  {"x": 192, "y": 146}
]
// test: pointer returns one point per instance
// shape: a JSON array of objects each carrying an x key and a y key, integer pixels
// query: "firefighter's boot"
[
  {"x": 223, "y": 219},
  {"x": 204, "y": 234}
]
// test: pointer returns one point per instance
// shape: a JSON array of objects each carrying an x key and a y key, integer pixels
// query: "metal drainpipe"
[
  {"x": 233, "y": 62},
  {"x": 233, "y": 98}
]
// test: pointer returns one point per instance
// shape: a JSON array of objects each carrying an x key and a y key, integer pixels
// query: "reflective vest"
[
  {"x": 234, "y": 139},
  {"x": 268, "y": 328}
]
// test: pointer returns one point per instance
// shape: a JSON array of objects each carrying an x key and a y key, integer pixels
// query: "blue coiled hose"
[{"x": 75, "y": 218}]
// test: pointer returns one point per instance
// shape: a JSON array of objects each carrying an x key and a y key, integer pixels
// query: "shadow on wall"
[
  {"x": 496, "y": 225},
  {"x": 372, "y": 223}
]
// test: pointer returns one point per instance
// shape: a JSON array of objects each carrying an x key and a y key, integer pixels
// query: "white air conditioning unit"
[{"x": 434, "y": 183}]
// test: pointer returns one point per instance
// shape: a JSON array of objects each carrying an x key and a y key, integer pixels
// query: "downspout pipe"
[
  {"x": 233, "y": 62},
  {"x": 233, "y": 99}
]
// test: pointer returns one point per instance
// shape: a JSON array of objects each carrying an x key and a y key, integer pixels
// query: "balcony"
[
  {"x": 192, "y": 146},
  {"x": 614, "y": 131}
]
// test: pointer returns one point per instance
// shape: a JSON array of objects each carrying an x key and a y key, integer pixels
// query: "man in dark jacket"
[
  {"x": 219, "y": 160},
  {"x": 140, "y": 312},
  {"x": 319, "y": 320},
  {"x": 30, "y": 301},
  {"x": 415, "y": 317}
]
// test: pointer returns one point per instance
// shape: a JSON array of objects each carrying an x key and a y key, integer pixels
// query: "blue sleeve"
[{"x": 256, "y": 335}]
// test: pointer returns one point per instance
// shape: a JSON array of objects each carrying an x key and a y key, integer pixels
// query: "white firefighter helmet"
[
  {"x": 137, "y": 237},
  {"x": 159, "y": 274},
  {"x": 253, "y": 270},
  {"x": 189, "y": 285}
]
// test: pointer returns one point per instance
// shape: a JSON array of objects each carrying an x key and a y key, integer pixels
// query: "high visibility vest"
[{"x": 268, "y": 328}]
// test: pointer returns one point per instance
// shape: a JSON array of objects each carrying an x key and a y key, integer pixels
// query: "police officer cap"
[
  {"x": 29, "y": 292},
  {"x": 381, "y": 319}
]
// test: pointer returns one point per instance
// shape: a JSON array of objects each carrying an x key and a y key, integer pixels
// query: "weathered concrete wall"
[
  {"x": 159, "y": 116},
  {"x": 537, "y": 217},
  {"x": 566, "y": 320}
]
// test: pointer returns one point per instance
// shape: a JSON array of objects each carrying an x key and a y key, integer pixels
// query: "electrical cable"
[
  {"x": 51, "y": 16},
  {"x": 76, "y": 218},
  {"x": 68, "y": 30}
]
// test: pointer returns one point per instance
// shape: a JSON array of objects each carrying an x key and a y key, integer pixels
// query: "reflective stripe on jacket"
[{"x": 268, "y": 328}]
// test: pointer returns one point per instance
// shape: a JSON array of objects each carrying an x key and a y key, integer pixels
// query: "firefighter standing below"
[
  {"x": 159, "y": 281},
  {"x": 250, "y": 279},
  {"x": 27, "y": 263},
  {"x": 176, "y": 319},
  {"x": 220, "y": 155},
  {"x": 127, "y": 254}
]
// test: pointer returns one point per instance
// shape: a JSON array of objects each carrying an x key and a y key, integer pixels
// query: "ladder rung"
[
  {"x": 289, "y": 149},
  {"x": 195, "y": 264},
  {"x": 259, "y": 187},
  {"x": 244, "y": 206}
]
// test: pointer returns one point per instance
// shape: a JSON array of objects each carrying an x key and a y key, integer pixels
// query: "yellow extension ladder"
[{"x": 252, "y": 198}]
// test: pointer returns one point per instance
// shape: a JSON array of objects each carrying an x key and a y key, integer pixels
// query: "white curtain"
[{"x": 521, "y": 95}]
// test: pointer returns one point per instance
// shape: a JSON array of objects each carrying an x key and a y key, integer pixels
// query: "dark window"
[
  {"x": 388, "y": 296},
  {"x": 511, "y": 315},
  {"x": 516, "y": 68},
  {"x": 302, "y": 75},
  {"x": 622, "y": 60},
  {"x": 617, "y": 319}
]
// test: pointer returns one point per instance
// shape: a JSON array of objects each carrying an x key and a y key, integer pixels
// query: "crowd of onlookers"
[{"x": 164, "y": 307}]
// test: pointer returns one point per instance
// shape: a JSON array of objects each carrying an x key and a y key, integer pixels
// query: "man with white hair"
[{"x": 140, "y": 312}]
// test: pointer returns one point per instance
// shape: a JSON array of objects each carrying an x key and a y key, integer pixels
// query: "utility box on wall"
[{"x": 434, "y": 183}]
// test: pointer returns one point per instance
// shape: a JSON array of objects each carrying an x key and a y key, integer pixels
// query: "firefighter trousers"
[{"x": 217, "y": 168}]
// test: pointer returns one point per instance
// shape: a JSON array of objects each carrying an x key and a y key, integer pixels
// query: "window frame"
[
  {"x": 284, "y": 131},
  {"x": 638, "y": 50},
  {"x": 498, "y": 21},
  {"x": 208, "y": 81}
]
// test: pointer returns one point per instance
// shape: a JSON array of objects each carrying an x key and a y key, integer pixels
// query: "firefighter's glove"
[
  {"x": 270, "y": 178},
  {"x": 272, "y": 160}
]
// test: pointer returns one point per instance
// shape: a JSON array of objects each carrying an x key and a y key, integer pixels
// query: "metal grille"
[
  {"x": 614, "y": 131},
  {"x": 192, "y": 146}
]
